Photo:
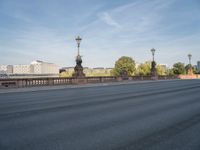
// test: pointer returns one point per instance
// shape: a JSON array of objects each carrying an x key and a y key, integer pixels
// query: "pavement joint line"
[{"x": 60, "y": 87}]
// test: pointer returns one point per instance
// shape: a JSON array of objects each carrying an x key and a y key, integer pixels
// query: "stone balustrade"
[{"x": 31, "y": 82}]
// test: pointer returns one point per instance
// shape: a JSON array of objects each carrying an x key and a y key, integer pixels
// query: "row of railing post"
[{"x": 31, "y": 82}]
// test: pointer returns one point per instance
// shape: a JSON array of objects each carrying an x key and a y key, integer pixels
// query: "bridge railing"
[{"x": 31, "y": 82}]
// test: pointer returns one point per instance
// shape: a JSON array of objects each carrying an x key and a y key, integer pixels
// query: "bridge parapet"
[{"x": 31, "y": 82}]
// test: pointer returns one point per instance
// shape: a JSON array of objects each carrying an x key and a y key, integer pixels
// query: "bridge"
[{"x": 151, "y": 115}]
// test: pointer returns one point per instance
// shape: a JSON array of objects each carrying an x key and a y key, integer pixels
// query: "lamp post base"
[
  {"x": 190, "y": 71},
  {"x": 153, "y": 70},
  {"x": 78, "y": 70}
]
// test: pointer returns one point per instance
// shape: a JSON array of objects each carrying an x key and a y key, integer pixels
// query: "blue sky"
[{"x": 46, "y": 29}]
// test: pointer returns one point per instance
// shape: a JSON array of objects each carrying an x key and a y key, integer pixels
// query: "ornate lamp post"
[
  {"x": 78, "y": 70},
  {"x": 190, "y": 71},
  {"x": 190, "y": 57},
  {"x": 78, "y": 40},
  {"x": 153, "y": 64},
  {"x": 153, "y": 52}
]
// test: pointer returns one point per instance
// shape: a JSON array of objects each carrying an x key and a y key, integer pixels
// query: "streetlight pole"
[
  {"x": 190, "y": 71},
  {"x": 153, "y": 52},
  {"x": 190, "y": 57},
  {"x": 153, "y": 65},
  {"x": 78, "y": 70},
  {"x": 78, "y": 40}
]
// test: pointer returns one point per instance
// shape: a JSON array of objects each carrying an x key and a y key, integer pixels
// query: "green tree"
[
  {"x": 179, "y": 68},
  {"x": 161, "y": 70},
  {"x": 65, "y": 74},
  {"x": 124, "y": 64},
  {"x": 144, "y": 68},
  {"x": 170, "y": 72}
]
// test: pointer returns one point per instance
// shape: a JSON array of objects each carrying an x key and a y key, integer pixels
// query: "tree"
[
  {"x": 170, "y": 72},
  {"x": 179, "y": 68},
  {"x": 161, "y": 70},
  {"x": 125, "y": 65},
  {"x": 144, "y": 68}
]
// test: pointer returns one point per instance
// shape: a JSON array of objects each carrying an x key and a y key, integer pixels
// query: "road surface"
[{"x": 161, "y": 115}]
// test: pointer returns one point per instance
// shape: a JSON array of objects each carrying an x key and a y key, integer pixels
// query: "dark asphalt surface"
[{"x": 144, "y": 116}]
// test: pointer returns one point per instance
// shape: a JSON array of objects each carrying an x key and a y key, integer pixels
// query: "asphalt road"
[{"x": 141, "y": 116}]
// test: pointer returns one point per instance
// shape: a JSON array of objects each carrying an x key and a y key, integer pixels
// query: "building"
[
  {"x": 40, "y": 67},
  {"x": 3, "y": 68},
  {"x": 109, "y": 70},
  {"x": 87, "y": 71},
  {"x": 100, "y": 71},
  {"x": 3, "y": 74},
  {"x": 8, "y": 69},
  {"x": 36, "y": 67},
  {"x": 21, "y": 69},
  {"x": 198, "y": 66}
]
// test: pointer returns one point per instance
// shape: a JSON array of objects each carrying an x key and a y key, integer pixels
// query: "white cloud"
[{"x": 109, "y": 20}]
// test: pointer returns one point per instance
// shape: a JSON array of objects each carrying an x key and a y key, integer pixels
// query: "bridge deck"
[{"x": 146, "y": 116}]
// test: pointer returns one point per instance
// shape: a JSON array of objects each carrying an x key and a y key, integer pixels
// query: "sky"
[{"x": 46, "y": 30}]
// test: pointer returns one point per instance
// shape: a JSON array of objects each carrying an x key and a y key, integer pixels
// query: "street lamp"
[
  {"x": 78, "y": 40},
  {"x": 153, "y": 65},
  {"x": 190, "y": 71},
  {"x": 78, "y": 69},
  {"x": 190, "y": 57},
  {"x": 153, "y": 52}
]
